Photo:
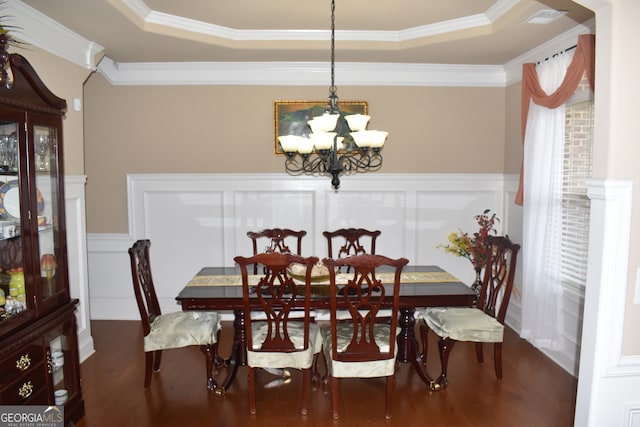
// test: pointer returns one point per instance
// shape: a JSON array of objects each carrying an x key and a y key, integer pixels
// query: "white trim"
[
  {"x": 414, "y": 212},
  {"x": 613, "y": 249},
  {"x": 300, "y": 74},
  {"x": 39, "y": 30},
  {"x": 513, "y": 68},
  {"x": 165, "y": 22},
  {"x": 606, "y": 376},
  {"x": 77, "y": 254}
]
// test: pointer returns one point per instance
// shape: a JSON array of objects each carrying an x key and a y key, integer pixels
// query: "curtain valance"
[{"x": 583, "y": 62}]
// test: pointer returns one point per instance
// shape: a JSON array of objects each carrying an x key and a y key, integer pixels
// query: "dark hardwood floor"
[{"x": 534, "y": 391}]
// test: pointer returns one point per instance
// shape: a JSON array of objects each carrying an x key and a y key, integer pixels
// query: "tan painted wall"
[
  {"x": 65, "y": 80},
  {"x": 230, "y": 129},
  {"x": 514, "y": 150}
]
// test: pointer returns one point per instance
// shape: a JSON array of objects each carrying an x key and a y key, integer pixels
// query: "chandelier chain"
[{"x": 333, "y": 97}]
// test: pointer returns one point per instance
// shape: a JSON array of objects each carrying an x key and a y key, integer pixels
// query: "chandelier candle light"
[{"x": 324, "y": 152}]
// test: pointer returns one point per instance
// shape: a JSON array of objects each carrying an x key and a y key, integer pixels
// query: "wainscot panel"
[{"x": 194, "y": 220}]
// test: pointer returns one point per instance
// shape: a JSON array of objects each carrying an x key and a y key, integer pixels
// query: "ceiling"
[{"x": 489, "y": 32}]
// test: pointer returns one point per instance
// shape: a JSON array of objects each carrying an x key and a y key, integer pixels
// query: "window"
[{"x": 575, "y": 203}]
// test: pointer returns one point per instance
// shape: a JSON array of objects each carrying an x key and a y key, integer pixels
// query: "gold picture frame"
[{"x": 290, "y": 117}]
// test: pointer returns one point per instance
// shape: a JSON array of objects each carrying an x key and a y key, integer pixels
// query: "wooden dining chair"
[
  {"x": 362, "y": 347},
  {"x": 348, "y": 242},
  {"x": 351, "y": 241},
  {"x": 275, "y": 337},
  {"x": 171, "y": 330},
  {"x": 480, "y": 324},
  {"x": 276, "y": 240}
]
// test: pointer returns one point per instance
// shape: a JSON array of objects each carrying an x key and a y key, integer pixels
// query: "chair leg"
[
  {"x": 218, "y": 360},
  {"x": 445, "y": 345},
  {"x": 325, "y": 378},
  {"x": 157, "y": 357},
  {"x": 148, "y": 365},
  {"x": 315, "y": 374},
  {"x": 306, "y": 375},
  {"x": 334, "y": 397},
  {"x": 234, "y": 362},
  {"x": 479, "y": 353},
  {"x": 388, "y": 397},
  {"x": 210, "y": 353},
  {"x": 497, "y": 359},
  {"x": 252, "y": 389},
  {"x": 424, "y": 337}
]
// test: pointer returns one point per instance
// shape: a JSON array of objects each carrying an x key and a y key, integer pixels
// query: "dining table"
[{"x": 220, "y": 289}]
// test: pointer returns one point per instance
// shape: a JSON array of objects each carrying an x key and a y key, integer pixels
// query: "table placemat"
[{"x": 405, "y": 278}]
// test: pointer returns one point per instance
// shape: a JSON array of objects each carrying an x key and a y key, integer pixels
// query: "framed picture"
[{"x": 290, "y": 117}]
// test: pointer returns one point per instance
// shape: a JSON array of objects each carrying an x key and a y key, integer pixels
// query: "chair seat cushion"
[
  {"x": 346, "y": 315},
  {"x": 277, "y": 359},
  {"x": 463, "y": 324},
  {"x": 375, "y": 368},
  {"x": 181, "y": 329}
]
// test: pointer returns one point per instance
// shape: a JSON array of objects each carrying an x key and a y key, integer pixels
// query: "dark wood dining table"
[{"x": 220, "y": 289}]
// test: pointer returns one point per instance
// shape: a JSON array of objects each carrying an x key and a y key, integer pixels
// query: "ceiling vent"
[{"x": 545, "y": 16}]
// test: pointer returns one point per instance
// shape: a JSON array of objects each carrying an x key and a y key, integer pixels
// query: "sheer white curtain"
[{"x": 543, "y": 165}]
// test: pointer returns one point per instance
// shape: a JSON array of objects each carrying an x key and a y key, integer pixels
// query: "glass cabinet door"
[
  {"x": 60, "y": 350},
  {"x": 45, "y": 149},
  {"x": 13, "y": 292}
]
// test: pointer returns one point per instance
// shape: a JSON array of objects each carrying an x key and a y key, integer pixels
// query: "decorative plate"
[{"x": 10, "y": 200}]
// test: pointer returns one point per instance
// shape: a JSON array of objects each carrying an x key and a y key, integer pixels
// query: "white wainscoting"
[
  {"x": 77, "y": 254},
  {"x": 609, "y": 386},
  {"x": 196, "y": 220}
]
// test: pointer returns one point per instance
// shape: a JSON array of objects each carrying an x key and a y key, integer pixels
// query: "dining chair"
[
  {"x": 483, "y": 323},
  {"x": 276, "y": 241},
  {"x": 275, "y": 337},
  {"x": 355, "y": 241},
  {"x": 362, "y": 347},
  {"x": 171, "y": 330},
  {"x": 352, "y": 241}
]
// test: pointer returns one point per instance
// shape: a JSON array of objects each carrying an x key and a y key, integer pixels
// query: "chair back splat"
[
  {"x": 353, "y": 241},
  {"x": 277, "y": 336},
  {"x": 498, "y": 277},
  {"x": 361, "y": 345},
  {"x": 143, "y": 288},
  {"x": 276, "y": 240}
]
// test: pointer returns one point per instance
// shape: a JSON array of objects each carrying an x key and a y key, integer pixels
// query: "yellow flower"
[{"x": 474, "y": 248}]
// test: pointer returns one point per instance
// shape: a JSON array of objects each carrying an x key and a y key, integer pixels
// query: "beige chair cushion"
[
  {"x": 297, "y": 359},
  {"x": 463, "y": 324},
  {"x": 181, "y": 329},
  {"x": 345, "y": 315},
  {"x": 377, "y": 368}
]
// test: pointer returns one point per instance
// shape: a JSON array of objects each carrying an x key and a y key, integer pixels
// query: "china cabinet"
[{"x": 39, "y": 362}]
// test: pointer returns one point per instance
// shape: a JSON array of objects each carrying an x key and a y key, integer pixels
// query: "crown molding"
[
  {"x": 41, "y": 31},
  {"x": 139, "y": 11},
  {"x": 37, "y": 29},
  {"x": 513, "y": 68},
  {"x": 299, "y": 74}
]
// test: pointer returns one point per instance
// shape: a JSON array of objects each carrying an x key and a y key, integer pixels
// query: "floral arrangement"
[{"x": 473, "y": 246}]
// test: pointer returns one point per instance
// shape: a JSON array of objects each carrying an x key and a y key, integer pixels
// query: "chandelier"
[{"x": 323, "y": 152}]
